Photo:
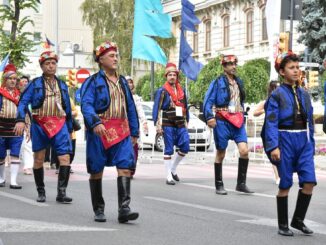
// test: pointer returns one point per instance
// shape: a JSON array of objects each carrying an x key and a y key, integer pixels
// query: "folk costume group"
[{"x": 112, "y": 129}]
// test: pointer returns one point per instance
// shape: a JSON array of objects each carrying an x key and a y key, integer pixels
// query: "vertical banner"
[{"x": 273, "y": 16}]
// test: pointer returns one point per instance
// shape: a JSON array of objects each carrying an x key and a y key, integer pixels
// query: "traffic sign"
[
  {"x": 82, "y": 75},
  {"x": 78, "y": 96}
]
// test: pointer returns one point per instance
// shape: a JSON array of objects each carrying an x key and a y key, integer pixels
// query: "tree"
[
  {"x": 98, "y": 14},
  {"x": 313, "y": 28},
  {"x": 17, "y": 42}
]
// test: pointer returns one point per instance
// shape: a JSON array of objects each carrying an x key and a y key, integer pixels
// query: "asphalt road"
[{"x": 188, "y": 213}]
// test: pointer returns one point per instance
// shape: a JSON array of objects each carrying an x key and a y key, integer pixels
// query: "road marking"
[
  {"x": 229, "y": 190},
  {"x": 21, "y": 225},
  {"x": 23, "y": 199},
  {"x": 198, "y": 206},
  {"x": 253, "y": 219}
]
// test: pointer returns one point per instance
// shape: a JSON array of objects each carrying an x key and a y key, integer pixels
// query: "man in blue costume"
[
  {"x": 112, "y": 129},
  {"x": 288, "y": 138},
  {"x": 51, "y": 123},
  {"x": 223, "y": 111},
  {"x": 171, "y": 100}
]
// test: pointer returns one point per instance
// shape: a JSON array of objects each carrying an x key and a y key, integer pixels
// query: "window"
[
  {"x": 250, "y": 29},
  {"x": 195, "y": 41},
  {"x": 226, "y": 31},
  {"x": 264, "y": 26},
  {"x": 208, "y": 36}
]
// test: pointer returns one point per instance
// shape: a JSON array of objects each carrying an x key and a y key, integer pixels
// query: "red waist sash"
[
  {"x": 236, "y": 119},
  {"x": 50, "y": 125},
  {"x": 116, "y": 131}
]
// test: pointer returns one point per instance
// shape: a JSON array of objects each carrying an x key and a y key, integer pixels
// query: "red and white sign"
[{"x": 82, "y": 75}]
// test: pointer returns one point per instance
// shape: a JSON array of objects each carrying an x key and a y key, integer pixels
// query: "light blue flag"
[
  {"x": 4, "y": 63},
  {"x": 150, "y": 21}
]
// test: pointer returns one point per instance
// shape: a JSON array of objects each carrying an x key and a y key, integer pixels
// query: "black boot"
[
  {"x": 242, "y": 176},
  {"x": 39, "y": 181},
  {"x": 300, "y": 213},
  {"x": 125, "y": 214},
  {"x": 282, "y": 216},
  {"x": 63, "y": 178},
  {"x": 97, "y": 199},
  {"x": 219, "y": 180}
]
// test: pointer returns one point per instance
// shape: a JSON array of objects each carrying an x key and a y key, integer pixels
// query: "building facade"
[
  {"x": 61, "y": 21},
  {"x": 227, "y": 27}
]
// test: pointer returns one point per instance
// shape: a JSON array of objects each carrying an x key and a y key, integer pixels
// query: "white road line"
[
  {"x": 23, "y": 199},
  {"x": 21, "y": 225},
  {"x": 217, "y": 210},
  {"x": 229, "y": 190},
  {"x": 250, "y": 218}
]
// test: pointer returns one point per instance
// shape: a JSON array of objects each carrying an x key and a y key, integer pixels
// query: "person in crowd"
[
  {"x": 172, "y": 101},
  {"x": 26, "y": 152},
  {"x": 260, "y": 111},
  {"x": 111, "y": 120},
  {"x": 223, "y": 111},
  {"x": 9, "y": 97},
  {"x": 141, "y": 117},
  {"x": 288, "y": 138}
]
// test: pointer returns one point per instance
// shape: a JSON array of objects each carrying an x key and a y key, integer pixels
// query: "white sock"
[
  {"x": 14, "y": 168},
  {"x": 176, "y": 162},
  {"x": 2, "y": 172},
  {"x": 167, "y": 163}
]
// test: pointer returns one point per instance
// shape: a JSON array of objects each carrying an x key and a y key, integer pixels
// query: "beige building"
[
  {"x": 61, "y": 22},
  {"x": 227, "y": 27}
]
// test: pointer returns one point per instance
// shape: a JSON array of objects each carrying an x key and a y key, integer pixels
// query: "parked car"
[{"x": 200, "y": 135}]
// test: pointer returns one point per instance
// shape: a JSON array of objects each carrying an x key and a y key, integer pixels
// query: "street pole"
[
  {"x": 152, "y": 81},
  {"x": 291, "y": 24}
]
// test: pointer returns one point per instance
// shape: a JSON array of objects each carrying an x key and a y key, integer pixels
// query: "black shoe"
[
  {"x": 242, "y": 176},
  {"x": 170, "y": 182},
  {"x": 3, "y": 184},
  {"x": 175, "y": 177},
  {"x": 99, "y": 216},
  {"x": 300, "y": 213},
  {"x": 97, "y": 199},
  {"x": 125, "y": 214},
  {"x": 39, "y": 181},
  {"x": 220, "y": 188},
  {"x": 243, "y": 188},
  {"x": 15, "y": 187},
  {"x": 63, "y": 178},
  {"x": 282, "y": 216}
]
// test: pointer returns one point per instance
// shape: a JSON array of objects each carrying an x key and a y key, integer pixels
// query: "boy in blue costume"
[
  {"x": 51, "y": 123},
  {"x": 112, "y": 129},
  {"x": 171, "y": 100},
  {"x": 223, "y": 111},
  {"x": 288, "y": 138}
]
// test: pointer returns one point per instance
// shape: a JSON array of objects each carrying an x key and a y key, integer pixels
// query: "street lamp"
[{"x": 70, "y": 50}]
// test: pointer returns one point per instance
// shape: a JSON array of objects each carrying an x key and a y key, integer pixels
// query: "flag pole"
[
  {"x": 187, "y": 93},
  {"x": 152, "y": 80}
]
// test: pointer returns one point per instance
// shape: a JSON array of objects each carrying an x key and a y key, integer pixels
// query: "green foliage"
[
  {"x": 16, "y": 42},
  {"x": 255, "y": 81},
  {"x": 313, "y": 28},
  {"x": 198, "y": 89},
  {"x": 114, "y": 20}
]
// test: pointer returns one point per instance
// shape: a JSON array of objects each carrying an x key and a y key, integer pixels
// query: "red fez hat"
[
  {"x": 170, "y": 67},
  {"x": 279, "y": 59},
  {"x": 103, "y": 48},
  {"x": 48, "y": 55}
]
